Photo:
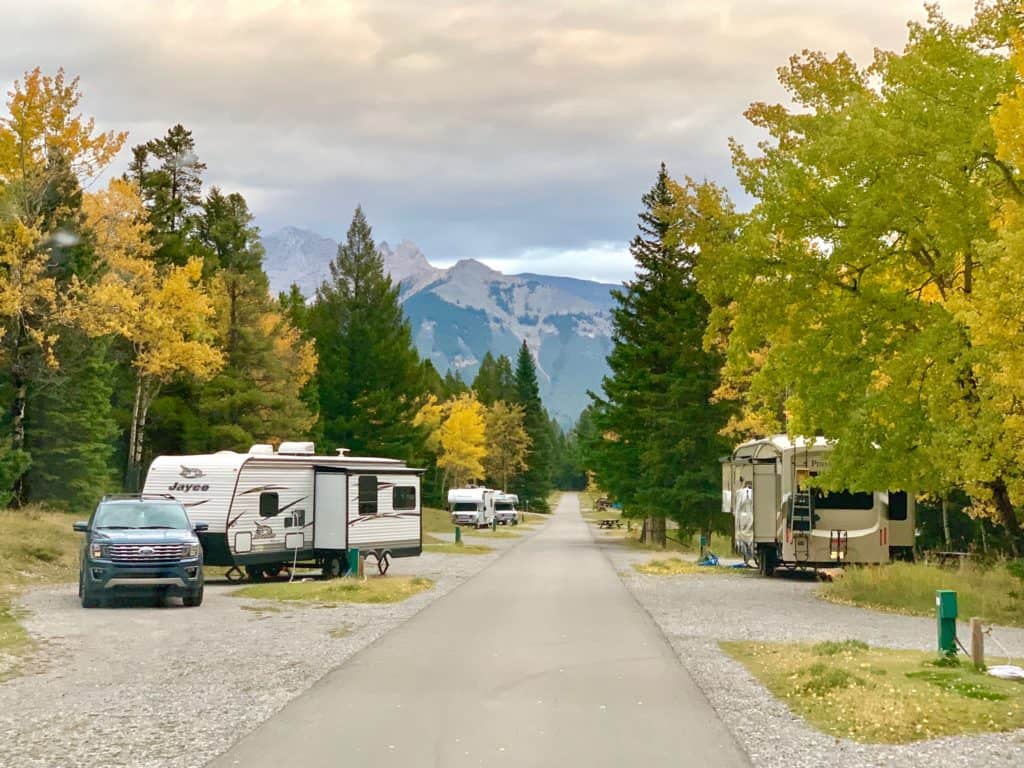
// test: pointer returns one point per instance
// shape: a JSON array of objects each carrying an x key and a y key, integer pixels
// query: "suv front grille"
[{"x": 144, "y": 553}]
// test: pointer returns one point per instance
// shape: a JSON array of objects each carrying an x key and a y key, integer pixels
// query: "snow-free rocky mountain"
[{"x": 460, "y": 313}]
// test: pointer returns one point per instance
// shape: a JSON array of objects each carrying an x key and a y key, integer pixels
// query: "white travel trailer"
[
  {"x": 505, "y": 511},
  {"x": 783, "y": 520},
  {"x": 471, "y": 506},
  {"x": 268, "y": 509}
]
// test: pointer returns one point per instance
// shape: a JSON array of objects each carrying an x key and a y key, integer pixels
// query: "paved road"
[{"x": 543, "y": 659}]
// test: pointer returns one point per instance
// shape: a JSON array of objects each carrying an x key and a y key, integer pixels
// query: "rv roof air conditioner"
[
  {"x": 261, "y": 449},
  {"x": 343, "y": 451},
  {"x": 296, "y": 449}
]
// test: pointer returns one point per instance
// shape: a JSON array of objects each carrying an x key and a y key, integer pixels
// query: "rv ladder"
[{"x": 802, "y": 518}]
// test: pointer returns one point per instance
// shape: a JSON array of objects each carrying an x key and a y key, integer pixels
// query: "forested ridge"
[{"x": 136, "y": 320}]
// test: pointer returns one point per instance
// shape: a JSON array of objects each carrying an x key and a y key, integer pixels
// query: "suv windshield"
[{"x": 141, "y": 514}]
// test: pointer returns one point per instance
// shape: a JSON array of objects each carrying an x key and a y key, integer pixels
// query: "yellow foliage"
[
  {"x": 462, "y": 437},
  {"x": 163, "y": 312}
]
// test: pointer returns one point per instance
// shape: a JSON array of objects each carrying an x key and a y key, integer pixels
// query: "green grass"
[
  {"x": 847, "y": 689},
  {"x": 37, "y": 547},
  {"x": 434, "y": 544},
  {"x": 376, "y": 589},
  {"x": 994, "y": 593},
  {"x": 440, "y": 521}
]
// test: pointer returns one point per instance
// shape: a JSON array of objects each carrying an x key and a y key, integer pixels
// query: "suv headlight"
[
  {"x": 96, "y": 551},
  {"x": 190, "y": 550}
]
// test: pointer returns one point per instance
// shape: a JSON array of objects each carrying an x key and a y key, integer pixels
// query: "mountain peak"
[{"x": 473, "y": 269}]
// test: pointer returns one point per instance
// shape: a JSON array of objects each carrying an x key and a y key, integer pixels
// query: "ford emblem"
[{"x": 147, "y": 551}]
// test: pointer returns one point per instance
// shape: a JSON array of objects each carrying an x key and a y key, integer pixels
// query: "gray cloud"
[{"x": 518, "y": 133}]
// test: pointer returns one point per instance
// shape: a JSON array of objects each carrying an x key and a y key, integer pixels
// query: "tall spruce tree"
[
  {"x": 369, "y": 379},
  {"x": 495, "y": 381},
  {"x": 658, "y": 428},
  {"x": 534, "y": 484},
  {"x": 72, "y": 431}
]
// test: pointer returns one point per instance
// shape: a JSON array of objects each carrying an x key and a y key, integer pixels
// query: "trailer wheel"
[
  {"x": 766, "y": 560},
  {"x": 332, "y": 567},
  {"x": 255, "y": 573},
  {"x": 273, "y": 571}
]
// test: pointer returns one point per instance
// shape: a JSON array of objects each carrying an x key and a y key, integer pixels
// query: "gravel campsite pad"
[
  {"x": 697, "y": 611},
  {"x": 172, "y": 687}
]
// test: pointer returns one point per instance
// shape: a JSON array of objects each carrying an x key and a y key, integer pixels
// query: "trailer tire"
[
  {"x": 766, "y": 560},
  {"x": 332, "y": 567},
  {"x": 256, "y": 573}
]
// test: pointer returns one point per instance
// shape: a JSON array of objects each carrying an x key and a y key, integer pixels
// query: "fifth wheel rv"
[
  {"x": 266, "y": 510},
  {"x": 783, "y": 520}
]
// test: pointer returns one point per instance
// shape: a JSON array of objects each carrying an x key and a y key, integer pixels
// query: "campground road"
[{"x": 542, "y": 659}]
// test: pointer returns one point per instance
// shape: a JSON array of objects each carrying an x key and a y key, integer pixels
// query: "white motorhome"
[
  {"x": 505, "y": 508},
  {"x": 471, "y": 506},
  {"x": 266, "y": 509},
  {"x": 783, "y": 520}
]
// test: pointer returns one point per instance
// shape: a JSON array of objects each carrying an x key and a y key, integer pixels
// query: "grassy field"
[
  {"x": 847, "y": 689},
  {"x": 37, "y": 547},
  {"x": 375, "y": 589},
  {"x": 994, "y": 593}
]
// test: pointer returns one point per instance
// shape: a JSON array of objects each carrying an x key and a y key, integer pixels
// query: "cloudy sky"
[{"x": 519, "y": 133}]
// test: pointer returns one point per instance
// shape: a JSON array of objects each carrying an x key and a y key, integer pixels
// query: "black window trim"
[
  {"x": 362, "y": 498},
  {"x": 411, "y": 489}
]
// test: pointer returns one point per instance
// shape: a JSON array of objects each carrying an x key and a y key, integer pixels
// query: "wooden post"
[
  {"x": 977, "y": 643},
  {"x": 361, "y": 569}
]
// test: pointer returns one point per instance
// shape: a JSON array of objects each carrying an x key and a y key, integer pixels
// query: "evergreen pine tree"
[
  {"x": 657, "y": 439},
  {"x": 495, "y": 381},
  {"x": 72, "y": 430},
  {"x": 534, "y": 484},
  {"x": 369, "y": 380}
]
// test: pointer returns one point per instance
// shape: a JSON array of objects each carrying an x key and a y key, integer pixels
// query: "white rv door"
[{"x": 330, "y": 517}]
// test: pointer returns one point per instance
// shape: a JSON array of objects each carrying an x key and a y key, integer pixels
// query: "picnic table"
[
  {"x": 946, "y": 558},
  {"x": 612, "y": 522}
]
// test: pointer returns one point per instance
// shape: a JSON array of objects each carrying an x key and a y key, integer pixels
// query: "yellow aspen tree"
[
  {"x": 508, "y": 444},
  {"x": 462, "y": 440},
  {"x": 48, "y": 150},
  {"x": 164, "y": 313}
]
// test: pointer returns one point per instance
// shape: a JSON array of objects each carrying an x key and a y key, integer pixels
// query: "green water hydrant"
[
  {"x": 945, "y": 615},
  {"x": 458, "y": 535},
  {"x": 353, "y": 562}
]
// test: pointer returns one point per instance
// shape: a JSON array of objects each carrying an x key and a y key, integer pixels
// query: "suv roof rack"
[{"x": 135, "y": 496}]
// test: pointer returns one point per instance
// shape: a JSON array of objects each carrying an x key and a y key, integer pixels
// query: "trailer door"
[
  {"x": 330, "y": 516},
  {"x": 766, "y": 501}
]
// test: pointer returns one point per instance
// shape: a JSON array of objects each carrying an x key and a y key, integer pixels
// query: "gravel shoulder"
[
  {"x": 172, "y": 687},
  {"x": 696, "y": 612}
]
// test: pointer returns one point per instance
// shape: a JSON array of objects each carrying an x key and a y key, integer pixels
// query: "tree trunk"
[
  {"x": 140, "y": 411},
  {"x": 945, "y": 522},
  {"x": 18, "y": 432},
  {"x": 1007, "y": 514}
]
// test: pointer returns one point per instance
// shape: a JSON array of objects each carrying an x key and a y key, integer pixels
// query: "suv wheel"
[
  {"x": 89, "y": 599},
  {"x": 194, "y": 599}
]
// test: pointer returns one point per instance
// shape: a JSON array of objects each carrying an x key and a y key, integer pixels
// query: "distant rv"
[
  {"x": 471, "y": 506},
  {"x": 782, "y": 519},
  {"x": 505, "y": 508},
  {"x": 267, "y": 509}
]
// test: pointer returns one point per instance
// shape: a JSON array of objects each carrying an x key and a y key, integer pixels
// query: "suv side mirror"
[
  {"x": 201, "y": 527},
  {"x": 81, "y": 526}
]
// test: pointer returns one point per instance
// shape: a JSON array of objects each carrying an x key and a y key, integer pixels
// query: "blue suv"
[{"x": 140, "y": 543}]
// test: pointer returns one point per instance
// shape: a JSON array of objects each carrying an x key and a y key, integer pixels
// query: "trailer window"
[
  {"x": 897, "y": 505},
  {"x": 843, "y": 499},
  {"x": 269, "y": 504},
  {"x": 367, "y": 494},
  {"x": 403, "y": 497}
]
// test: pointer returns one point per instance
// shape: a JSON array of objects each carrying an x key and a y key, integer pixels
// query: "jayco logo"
[
  {"x": 186, "y": 487},
  {"x": 191, "y": 473}
]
